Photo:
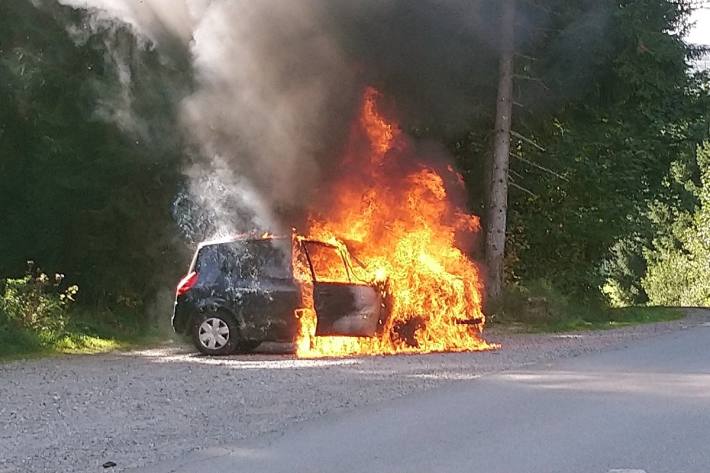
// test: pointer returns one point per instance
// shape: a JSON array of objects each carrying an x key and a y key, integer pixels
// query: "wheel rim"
[{"x": 213, "y": 333}]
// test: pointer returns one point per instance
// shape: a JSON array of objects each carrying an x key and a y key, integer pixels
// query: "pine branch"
[
  {"x": 521, "y": 188},
  {"x": 542, "y": 168},
  {"x": 527, "y": 140},
  {"x": 516, "y": 174}
]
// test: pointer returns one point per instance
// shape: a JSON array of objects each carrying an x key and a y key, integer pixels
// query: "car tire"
[{"x": 215, "y": 333}]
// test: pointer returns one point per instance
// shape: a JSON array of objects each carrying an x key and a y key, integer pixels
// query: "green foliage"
[
  {"x": 680, "y": 277},
  {"x": 608, "y": 114},
  {"x": 600, "y": 122},
  {"x": 539, "y": 303},
  {"x": 541, "y": 307},
  {"x": 36, "y": 302},
  {"x": 679, "y": 259},
  {"x": 605, "y": 318},
  {"x": 89, "y": 159},
  {"x": 33, "y": 311},
  {"x": 38, "y": 315},
  {"x": 623, "y": 271}
]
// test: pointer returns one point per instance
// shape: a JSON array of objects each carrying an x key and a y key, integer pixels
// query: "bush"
[
  {"x": 38, "y": 315},
  {"x": 679, "y": 265},
  {"x": 540, "y": 305},
  {"x": 623, "y": 270},
  {"x": 534, "y": 303},
  {"x": 33, "y": 310},
  {"x": 680, "y": 277}
]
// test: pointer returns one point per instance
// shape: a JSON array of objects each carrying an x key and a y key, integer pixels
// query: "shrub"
[
  {"x": 536, "y": 302},
  {"x": 35, "y": 302},
  {"x": 623, "y": 270},
  {"x": 37, "y": 314},
  {"x": 680, "y": 277},
  {"x": 679, "y": 268}
]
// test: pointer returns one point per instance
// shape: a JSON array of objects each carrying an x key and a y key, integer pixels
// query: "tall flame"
[{"x": 396, "y": 215}]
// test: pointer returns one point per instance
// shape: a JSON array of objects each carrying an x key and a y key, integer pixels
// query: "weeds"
[
  {"x": 38, "y": 315},
  {"x": 539, "y": 307}
]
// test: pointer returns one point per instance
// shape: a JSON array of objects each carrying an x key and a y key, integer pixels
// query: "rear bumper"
[{"x": 179, "y": 319}]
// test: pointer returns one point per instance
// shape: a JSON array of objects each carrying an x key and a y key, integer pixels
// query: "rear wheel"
[{"x": 215, "y": 333}]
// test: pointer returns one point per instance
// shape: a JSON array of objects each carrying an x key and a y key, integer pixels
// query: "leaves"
[
  {"x": 607, "y": 111},
  {"x": 78, "y": 191},
  {"x": 613, "y": 142},
  {"x": 679, "y": 259}
]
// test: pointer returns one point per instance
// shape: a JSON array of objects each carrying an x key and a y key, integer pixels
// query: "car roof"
[{"x": 234, "y": 239}]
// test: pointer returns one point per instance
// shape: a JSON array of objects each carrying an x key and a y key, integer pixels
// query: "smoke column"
[
  {"x": 276, "y": 84},
  {"x": 265, "y": 109}
]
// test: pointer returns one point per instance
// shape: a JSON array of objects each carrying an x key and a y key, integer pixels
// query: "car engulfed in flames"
[
  {"x": 381, "y": 269},
  {"x": 394, "y": 205},
  {"x": 243, "y": 291}
]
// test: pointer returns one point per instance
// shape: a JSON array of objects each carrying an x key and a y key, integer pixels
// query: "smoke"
[
  {"x": 277, "y": 83},
  {"x": 272, "y": 93},
  {"x": 153, "y": 20},
  {"x": 269, "y": 81},
  {"x": 217, "y": 201}
]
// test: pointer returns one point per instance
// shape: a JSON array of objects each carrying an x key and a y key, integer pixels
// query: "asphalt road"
[{"x": 645, "y": 407}]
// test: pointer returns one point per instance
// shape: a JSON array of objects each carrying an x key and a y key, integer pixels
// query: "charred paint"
[
  {"x": 347, "y": 309},
  {"x": 256, "y": 282}
]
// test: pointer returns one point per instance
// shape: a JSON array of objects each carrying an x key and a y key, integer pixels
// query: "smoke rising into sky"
[
  {"x": 277, "y": 83},
  {"x": 270, "y": 87}
]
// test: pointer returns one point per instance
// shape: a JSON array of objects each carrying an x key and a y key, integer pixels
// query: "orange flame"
[{"x": 403, "y": 226}]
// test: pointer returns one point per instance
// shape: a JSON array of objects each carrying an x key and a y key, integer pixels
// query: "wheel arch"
[{"x": 214, "y": 305}]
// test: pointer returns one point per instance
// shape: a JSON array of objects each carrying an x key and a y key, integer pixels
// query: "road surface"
[{"x": 642, "y": 408}]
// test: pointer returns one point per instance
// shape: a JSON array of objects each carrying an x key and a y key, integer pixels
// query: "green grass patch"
[
  {"x": 605, "y": 319},
  {"x": 39, "y": 316},
  {"x": 539, "y": 307},
  {"x": 84, "y": 333}
]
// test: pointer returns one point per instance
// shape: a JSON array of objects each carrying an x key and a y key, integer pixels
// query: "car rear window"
[{"x": 246, "y": 260}]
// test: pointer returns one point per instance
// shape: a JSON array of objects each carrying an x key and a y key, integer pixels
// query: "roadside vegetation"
[
  {"x": 540, "y": 307},
  {"x": 609, "y": 204},
  {"x": 39, "y": 315},
  {"x": 678, "y": 269}
]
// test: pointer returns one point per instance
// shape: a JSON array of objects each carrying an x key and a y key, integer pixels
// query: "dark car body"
[{"x": 257, "y": 285}]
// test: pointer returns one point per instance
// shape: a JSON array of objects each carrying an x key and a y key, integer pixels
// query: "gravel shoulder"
[{"x": 74, "y": 413}]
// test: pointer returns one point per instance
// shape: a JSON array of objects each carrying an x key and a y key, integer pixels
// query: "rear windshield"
[{"x": 246, "y": 260}]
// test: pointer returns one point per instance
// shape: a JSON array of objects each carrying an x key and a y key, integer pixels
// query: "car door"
[
  {"x": 261, "y": 288},
  {"x": 343, "y": 307}
]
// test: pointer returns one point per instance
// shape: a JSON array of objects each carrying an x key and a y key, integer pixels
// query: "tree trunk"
[{"x": 498, "y": 185}]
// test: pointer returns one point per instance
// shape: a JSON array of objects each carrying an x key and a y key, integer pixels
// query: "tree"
[
  {"x": 79, "y": 193},
  {"x": 607, "y": 102},
  {"x": 679, "y": 262},
  {"x": 498, "y": 185}
]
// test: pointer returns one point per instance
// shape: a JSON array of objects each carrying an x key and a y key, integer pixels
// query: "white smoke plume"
[
  {"x": 264, "y": 74},
  {"x": 151, "y": 18}
]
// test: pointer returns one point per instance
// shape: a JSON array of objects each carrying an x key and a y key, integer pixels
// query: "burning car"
[
  {"x": 244, "y": 291},
  {"x": 404, "y": 283}
]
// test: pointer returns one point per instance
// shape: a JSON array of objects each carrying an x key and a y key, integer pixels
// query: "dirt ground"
[{"x": 74, "y": 413}]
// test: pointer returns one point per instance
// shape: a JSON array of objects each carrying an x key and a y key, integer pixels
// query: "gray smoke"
[
  {"x": 265, "y": 73},
  {"x": 153, "y": 20},
  {"x": 276, "y": 84},
  {"x": 262, "y": 113}
]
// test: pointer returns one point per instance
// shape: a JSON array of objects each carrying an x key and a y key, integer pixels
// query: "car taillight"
[{"x": 186, "y": 283}]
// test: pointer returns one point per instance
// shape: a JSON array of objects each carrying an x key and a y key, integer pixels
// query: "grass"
[
  {"x": 540, "y": 307},
  {"x": 594, "y": 319},
  {"x": 84, "y": 333}
]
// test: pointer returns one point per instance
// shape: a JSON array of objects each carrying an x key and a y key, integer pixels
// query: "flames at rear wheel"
[{"x": 398, "y": 217}]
